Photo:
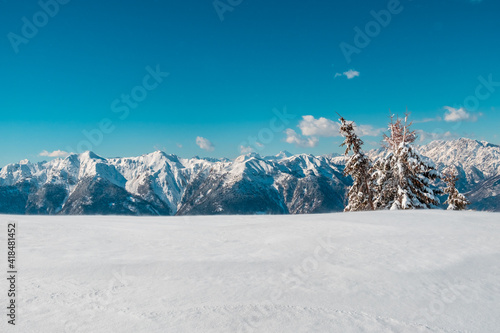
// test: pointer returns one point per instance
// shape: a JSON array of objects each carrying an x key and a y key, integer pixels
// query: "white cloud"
[
  {"x": 453, "y": 114},
  {"x": 245, "y": 150},
  {"x": 293, "y": 137},
  {"x": 204, "y": 144},
  {"x": 55, "y": 153},
  {"x": 179, "y": 145},
  {"x": 350, "y": 74},
  {"x": 319, "y": 127},
  {"x": 368, "y": 130},
  {"x": 427, "y": 120},
  {"x": 324, "y": 127}
]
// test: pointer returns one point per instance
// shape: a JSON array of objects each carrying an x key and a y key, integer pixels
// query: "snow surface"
[{"x": 411, "y": 271}]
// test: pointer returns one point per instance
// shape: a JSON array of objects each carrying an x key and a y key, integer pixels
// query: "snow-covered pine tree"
[
  {"x": 456, "y": 200},
  {"x": 398, "y": 133},
  {"x": 360, "y": 196},
  {"x": 403, "y": 178},
  {"x": 382, "y": 182},
  {"x": 413, "y": 178}
]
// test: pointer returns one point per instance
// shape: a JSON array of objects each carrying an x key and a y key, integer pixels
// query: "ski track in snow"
[{"x": 418, "y": 271}]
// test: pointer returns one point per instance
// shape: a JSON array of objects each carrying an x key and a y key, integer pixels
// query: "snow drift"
[{"x": 405, "y": 271}]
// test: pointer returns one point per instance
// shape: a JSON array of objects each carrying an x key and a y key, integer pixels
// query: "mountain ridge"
[{"x": 165, "y": 184}]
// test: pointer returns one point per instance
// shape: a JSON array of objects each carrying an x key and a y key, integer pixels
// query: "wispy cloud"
[
  {"x": 453, "y": 114},
  {"x": 245, "y": 149},
  {"x": 205, "y": 144},
  {"x": 424, "y": 136},
  {"x": 368, "y": 130},
  {"x": 55, "y": 153},
  {"x": 350, "y": 74},
  {"x": 427, "y": 120},
  {"x": 293, "y": 137}
]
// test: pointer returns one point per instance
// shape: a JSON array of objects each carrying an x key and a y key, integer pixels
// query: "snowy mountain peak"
[
  {"x": 159, "y": 155},
  {"x": 281, "y": 155},
  {"x": 487, "y": 144},
  {"x": 161, "y": 183},
  {"x": 89, "y": 155},
  {"x": 246, "y": 157}
]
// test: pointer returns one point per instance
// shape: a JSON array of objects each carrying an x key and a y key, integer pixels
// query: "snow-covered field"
[{"x": 420, "y": 271}]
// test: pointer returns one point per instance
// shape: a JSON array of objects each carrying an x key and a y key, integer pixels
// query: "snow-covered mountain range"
[
  {"x": 164, "y": 184},
  {"x": 478, "y": 166}
]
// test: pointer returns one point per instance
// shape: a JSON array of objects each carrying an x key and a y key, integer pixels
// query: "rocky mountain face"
[
  {"x": 478, "y": 166},
  {"x": 163, "y": 184}
]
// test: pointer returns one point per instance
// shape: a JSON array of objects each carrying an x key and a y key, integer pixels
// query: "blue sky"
[{"x": 193, "y": 78}]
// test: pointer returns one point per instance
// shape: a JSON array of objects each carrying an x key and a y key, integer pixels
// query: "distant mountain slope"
[
  {"x": 485, "y": 195},
  {"x": 476, "y": 161},
  {"x": 164, "y": 184}
]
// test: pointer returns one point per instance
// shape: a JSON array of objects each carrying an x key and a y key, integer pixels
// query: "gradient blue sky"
[{"x": 227, "y": 76}]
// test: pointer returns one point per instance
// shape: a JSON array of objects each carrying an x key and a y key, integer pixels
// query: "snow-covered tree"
[
  {"x": 383, "y": 183},
  {"x": 402, "y": 179},
  {"x": 399, "y": 132},
  {"x": 456, "y": 200},
  {"x": 360, "y": 196},
  {"x": 413, "y": 176}
]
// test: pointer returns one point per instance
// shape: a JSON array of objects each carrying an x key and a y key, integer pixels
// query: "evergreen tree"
[
  {"x": 360, "y": 196},
  {"x": 399, "y": 132},
  {"x": 456, "y": 200},
  {"x": 413, "y": 176},
  {"x": 402, "y": 178},
  {"x": 383, "y": 183}
]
